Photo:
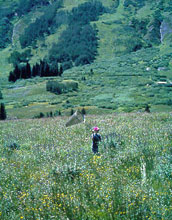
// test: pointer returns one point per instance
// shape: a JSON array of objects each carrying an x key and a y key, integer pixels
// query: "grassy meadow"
[{"x": 49, "y": 172}]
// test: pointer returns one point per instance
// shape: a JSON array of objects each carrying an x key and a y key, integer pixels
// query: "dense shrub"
[{"x": 61, "y": 87}]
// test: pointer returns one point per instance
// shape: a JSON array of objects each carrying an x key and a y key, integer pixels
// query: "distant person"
[{"x": 96, "y": 138}]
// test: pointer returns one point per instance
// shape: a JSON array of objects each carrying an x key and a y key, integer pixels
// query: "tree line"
[{"x": 43, "y": 69}]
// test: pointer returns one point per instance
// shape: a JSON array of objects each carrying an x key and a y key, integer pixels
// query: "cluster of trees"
[
  {"x": 48, "y": 114},
  {"x": 42, "y": 69},
  {"x": 42, "y": 25},
  {"x": 5, "y": 32},
  {"x": 86, "y": 12},
  {"x": 16, "y": 58},
  {"x": 78, "y": 43},
  {"x": 134, "y": 3},
  {"x": 9, "y": 11},
  {"x": 61, "y": 87},
  {"x": 25, "y": 6},
  {"x": 3, "y": 114}
]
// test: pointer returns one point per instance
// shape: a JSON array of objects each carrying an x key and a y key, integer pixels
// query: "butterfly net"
[{"x": 76, "y": 118}]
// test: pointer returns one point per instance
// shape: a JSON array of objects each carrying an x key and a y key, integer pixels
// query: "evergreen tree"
[
  {"x": 47, "y": 70},
  {"x": 55, "y": 69},
  {"x": 23, "y": 73},
  {"x": 28, "y": 70},
  {"x": 11, "y": 77},
  {"x": 61, "y": 70},
  {"x": 34, "y": 71},
  {"x": 17, "y": 73},
  {"x": 1, "y": 95},
  {"x": 3, "y": 115},
  {"x": 147, "y": 108},
  {"x": 42, "y": 68}
]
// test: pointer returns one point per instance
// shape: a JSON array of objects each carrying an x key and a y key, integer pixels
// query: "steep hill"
[{"x": 117, "y": 51}]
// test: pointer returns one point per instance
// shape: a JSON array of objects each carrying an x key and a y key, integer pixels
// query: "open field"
[{"x": 49, "y": 171}]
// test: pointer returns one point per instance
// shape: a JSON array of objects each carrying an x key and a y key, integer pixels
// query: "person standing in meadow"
[{"x": 96, "y": 138}]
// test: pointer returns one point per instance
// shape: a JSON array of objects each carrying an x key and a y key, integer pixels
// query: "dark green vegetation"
[
  {"x": 49, "y": 171},
  {"x": 61, "y": 87},
  {"x": 3, "y": 115},
  {"x": 42, "y": 69},
  {"x": 119, "y": 52}
]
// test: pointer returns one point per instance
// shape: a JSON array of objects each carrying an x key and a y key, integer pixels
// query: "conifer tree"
[
  {"x": 28, "y": 70},
  {"x": 3, "y": 115},
  {"x": 1, "y": 97},
  {"x": 17, "y": 73},
  {"x": 61, "y": 70},
  {"x": 11, "y": 77}
]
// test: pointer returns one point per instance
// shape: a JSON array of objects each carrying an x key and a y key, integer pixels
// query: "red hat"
[{"x": 96, "y": 128}]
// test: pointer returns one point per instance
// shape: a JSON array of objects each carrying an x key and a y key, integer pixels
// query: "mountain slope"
[{"x": 129, "y": 68}]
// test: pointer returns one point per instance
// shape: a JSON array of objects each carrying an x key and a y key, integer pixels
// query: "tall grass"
[{"x": 49, "y": 172}]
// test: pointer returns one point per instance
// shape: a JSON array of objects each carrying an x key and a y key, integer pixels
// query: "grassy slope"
[
  {"x": 129, "y": 181},
  {"x": 106, "y": 90}
]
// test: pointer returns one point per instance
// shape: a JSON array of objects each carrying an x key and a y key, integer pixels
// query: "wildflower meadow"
[{"x": 48, "y": 171}]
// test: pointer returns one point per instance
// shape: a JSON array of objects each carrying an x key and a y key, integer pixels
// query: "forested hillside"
[{"x": 121, "y": 49}]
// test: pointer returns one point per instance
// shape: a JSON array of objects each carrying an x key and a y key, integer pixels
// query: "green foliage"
[
  {"x": 16, "y": 58},
  {"x": 135, "y": 3},
  {"x": 26, "y": 72},
  {"x": 78, "y": 43},
  {"x": 153, "y": 34},
  {"x": 25, "y": 6},
  {"x": 61, "y": 87},
  {"x": 5, "y": 32},
  {"x": 41, "y": 26},
  {"x": 1, "y": 97},
  {"x": 86, "y": 12},
  {"x": 3, "y": 114}
]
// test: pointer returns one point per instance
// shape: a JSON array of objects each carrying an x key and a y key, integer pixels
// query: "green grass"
[{"x": 49, "y": 171}]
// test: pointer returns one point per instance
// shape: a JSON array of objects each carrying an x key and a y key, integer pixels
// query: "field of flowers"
[{"x": 48, "y": 171}]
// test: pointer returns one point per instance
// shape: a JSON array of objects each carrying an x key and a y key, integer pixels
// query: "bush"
[{"x": 61, "y": 87}]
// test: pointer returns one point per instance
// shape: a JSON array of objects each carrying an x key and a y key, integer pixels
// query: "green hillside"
[{"x": 121, "y": 60}]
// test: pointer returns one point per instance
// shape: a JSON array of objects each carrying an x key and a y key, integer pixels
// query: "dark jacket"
[{"x": 96, "y": 138}]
